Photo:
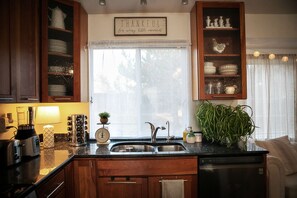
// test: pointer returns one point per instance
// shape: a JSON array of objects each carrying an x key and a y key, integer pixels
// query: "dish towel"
[{"x": 173, "y": 188}]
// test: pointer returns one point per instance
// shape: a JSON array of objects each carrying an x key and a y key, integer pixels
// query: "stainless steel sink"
[
  {"x": 137, "y": 147},
  {"x": 170, "y": 148},
  {"x": 132, "y": 148}
]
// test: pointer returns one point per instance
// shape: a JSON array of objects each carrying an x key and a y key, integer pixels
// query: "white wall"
[
  {"x": 263, "y": 31},
  {"x": 101, "y": 26},
  {"x": 271, "y": 33}
]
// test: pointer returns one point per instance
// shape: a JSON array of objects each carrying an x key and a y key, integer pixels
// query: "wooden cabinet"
[
  {"x": 84, "y": 178},
  {"x": 69, "y": 179},
  {"x": 64, "y": 41},
  {"x": 53, "y": 186},
  {"x": 218, "y": 50},
  {"x": 142, "y": 177},
  {"x": 19, "y": 49},
  {"x": 122, "y": 187}
]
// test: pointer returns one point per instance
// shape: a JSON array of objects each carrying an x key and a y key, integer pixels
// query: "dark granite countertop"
[{"x": 26, "y": 176}]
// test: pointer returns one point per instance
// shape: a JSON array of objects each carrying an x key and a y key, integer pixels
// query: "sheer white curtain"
[{"x": 272, "y": 95}]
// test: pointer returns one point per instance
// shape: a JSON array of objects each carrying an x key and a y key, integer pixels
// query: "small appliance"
[
  {"x": 77, "y": 126},
  {"x": 10, "y": 152},
  {"x": 26, "y": 132}
]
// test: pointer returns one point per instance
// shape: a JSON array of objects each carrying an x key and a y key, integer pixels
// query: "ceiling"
[{"x": 175, "y": 6}]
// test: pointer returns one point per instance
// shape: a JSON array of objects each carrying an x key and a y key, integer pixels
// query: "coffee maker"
[{"x": 26, "y": 132}]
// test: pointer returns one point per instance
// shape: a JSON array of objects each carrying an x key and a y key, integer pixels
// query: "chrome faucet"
[{"x": 154, "y": 131}]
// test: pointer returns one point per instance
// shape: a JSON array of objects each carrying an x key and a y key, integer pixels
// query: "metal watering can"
[{"x": 57, "y": 19}]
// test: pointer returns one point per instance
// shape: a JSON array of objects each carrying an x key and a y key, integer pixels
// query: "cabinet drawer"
[
  {"x": 53, "y": 187},
  {"x": 147, "y": 166}
]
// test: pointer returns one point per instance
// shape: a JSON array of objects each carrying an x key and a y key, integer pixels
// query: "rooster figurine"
[{"x": 218, "y": 47}]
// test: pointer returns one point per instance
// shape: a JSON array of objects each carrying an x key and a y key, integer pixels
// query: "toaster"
[{"x": 10, "y": 152}]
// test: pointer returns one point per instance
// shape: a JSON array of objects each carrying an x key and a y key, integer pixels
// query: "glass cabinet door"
[{"x": 59, "y": 64}]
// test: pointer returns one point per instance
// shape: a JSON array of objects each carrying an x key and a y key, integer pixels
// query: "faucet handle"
[
  {"x": 170, "y": 138},
  {"x": 151, "y": 125}
]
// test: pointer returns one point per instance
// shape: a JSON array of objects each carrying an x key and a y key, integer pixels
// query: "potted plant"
[
  {"x": 224, "y": 124},
  {"x": 104, "y": 117}
]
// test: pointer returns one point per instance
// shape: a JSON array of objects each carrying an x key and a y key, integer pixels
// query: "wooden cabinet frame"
[
  {"x": 76, "y": 38},
  {"x": 200, "y": 54}
]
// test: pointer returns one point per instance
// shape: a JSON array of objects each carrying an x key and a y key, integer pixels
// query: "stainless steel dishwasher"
[{"x": 232, "y": 177}]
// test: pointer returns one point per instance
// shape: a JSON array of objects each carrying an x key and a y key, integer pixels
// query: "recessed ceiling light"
[
  {"x": 143, "y": 2},
  {"x": 185, "y": 2},
  {"x": 102, "y": 2}
]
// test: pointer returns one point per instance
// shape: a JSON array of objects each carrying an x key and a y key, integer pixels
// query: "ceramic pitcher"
[{"x": 57, "y": 19}]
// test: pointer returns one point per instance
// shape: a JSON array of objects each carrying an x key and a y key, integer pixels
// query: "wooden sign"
[{"x": 140, "y": 26}]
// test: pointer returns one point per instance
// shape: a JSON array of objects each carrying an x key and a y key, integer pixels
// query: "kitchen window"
[{"x": 138, "y": 83}]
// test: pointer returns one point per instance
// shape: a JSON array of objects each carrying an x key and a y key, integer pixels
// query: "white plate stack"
[
  {"x": 229, "y": 69},
  {"x": 57, "y": 69},
  {"x": 209, "y": 69},
  {"x": 55, "y": 45},
  {"x": 57, "y": 90}
]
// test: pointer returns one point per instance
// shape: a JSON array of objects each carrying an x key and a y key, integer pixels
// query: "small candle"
[{"x": 198, "y": 137}]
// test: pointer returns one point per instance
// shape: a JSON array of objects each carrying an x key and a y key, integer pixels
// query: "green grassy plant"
[{"x": 224, "y": 124}]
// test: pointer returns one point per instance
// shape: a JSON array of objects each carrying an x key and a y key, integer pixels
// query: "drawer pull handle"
[
  {"x": 30, "y": 99},
  {"x": 62, "y": 99},
  {"x": 5, "y": 99},
  {"x": 173, "y": 179},
  {"x": 223, "y": 96},
  {"x": 55, "y": 190},
  {"x": 122, "y": 182}
]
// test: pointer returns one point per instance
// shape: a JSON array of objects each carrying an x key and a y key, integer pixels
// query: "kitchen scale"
[{"x": 102, "y": 136}]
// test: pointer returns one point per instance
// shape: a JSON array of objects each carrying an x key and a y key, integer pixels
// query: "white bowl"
[
  {"x": 209, "y": 71},
  {"x": 208, "y": 63},
  {"x": 56, "y": 69},
  {"x": 228, "y": 66},
  {"x": 210, "y": 67}
]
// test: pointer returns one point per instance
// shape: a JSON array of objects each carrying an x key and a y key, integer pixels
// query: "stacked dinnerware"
[
  {"x": 209, "y": 68},
  {"x": 57, "y": 90},
  {"x": 55, "y": 45},
  {"x": 229, "y": 69},
  {"x": 57, "y": 69}
]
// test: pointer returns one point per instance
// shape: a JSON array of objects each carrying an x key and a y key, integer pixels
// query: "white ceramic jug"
[
  {"x": 230, "y": 89},
  {"x": 58, "y": 17}
]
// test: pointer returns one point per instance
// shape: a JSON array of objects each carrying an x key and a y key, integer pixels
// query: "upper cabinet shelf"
[{"x": 218, "y": 51}]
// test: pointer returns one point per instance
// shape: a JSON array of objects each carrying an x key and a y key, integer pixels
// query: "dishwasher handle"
[{"x": 231, "y": 160}]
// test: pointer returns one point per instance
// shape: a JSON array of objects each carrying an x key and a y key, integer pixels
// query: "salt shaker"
[
  {"x": 207, "y": 21},
  {"x": 210, "y": 88},
  {"x": 218, "y": 87},
  {"x": 228, "y": 22},
  {"x": 216, "y": 24},
  {"x": 221, "y": 21}
]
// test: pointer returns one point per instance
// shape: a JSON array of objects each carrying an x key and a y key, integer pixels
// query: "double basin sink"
[{"x": 147, "y": 147}]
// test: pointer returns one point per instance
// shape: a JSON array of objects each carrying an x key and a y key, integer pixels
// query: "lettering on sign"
[{"x": 140, "y": 26}]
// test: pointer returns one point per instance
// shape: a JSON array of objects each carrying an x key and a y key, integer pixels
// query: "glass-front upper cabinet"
[
  {"x": 60, "y": 51},
  {"x": 218, "y": 51}
]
